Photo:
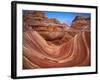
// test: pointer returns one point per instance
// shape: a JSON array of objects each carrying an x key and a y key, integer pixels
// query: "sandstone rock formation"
[
  {"x": 80, "y": 23},
  {"x": 47, "y": 43}
]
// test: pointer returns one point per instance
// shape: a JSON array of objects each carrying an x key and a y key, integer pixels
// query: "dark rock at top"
[{"x": 80, "y": 23}]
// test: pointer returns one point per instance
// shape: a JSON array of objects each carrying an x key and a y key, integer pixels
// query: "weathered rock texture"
[
  {"x": 48, "y": 43},
  {"x": 81, "y": 22}
]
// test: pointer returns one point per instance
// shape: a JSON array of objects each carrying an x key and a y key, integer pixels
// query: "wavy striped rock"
[{"x": 39, "y": 53}]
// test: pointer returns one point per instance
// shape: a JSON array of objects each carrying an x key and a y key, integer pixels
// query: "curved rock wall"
[{"x": 47, "y": 44}]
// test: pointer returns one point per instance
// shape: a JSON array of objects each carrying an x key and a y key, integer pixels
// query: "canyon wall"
[{"x": 48, "y": 43}]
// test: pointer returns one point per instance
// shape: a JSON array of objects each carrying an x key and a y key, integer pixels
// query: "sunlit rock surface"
[{"x": 47, "y": 43}]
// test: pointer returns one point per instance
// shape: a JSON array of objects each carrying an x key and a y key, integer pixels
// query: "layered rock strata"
[{"x": 47, "y": 43}]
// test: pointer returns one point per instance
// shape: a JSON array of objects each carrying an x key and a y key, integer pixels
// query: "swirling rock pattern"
[{"x": 51, "y": 45}]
